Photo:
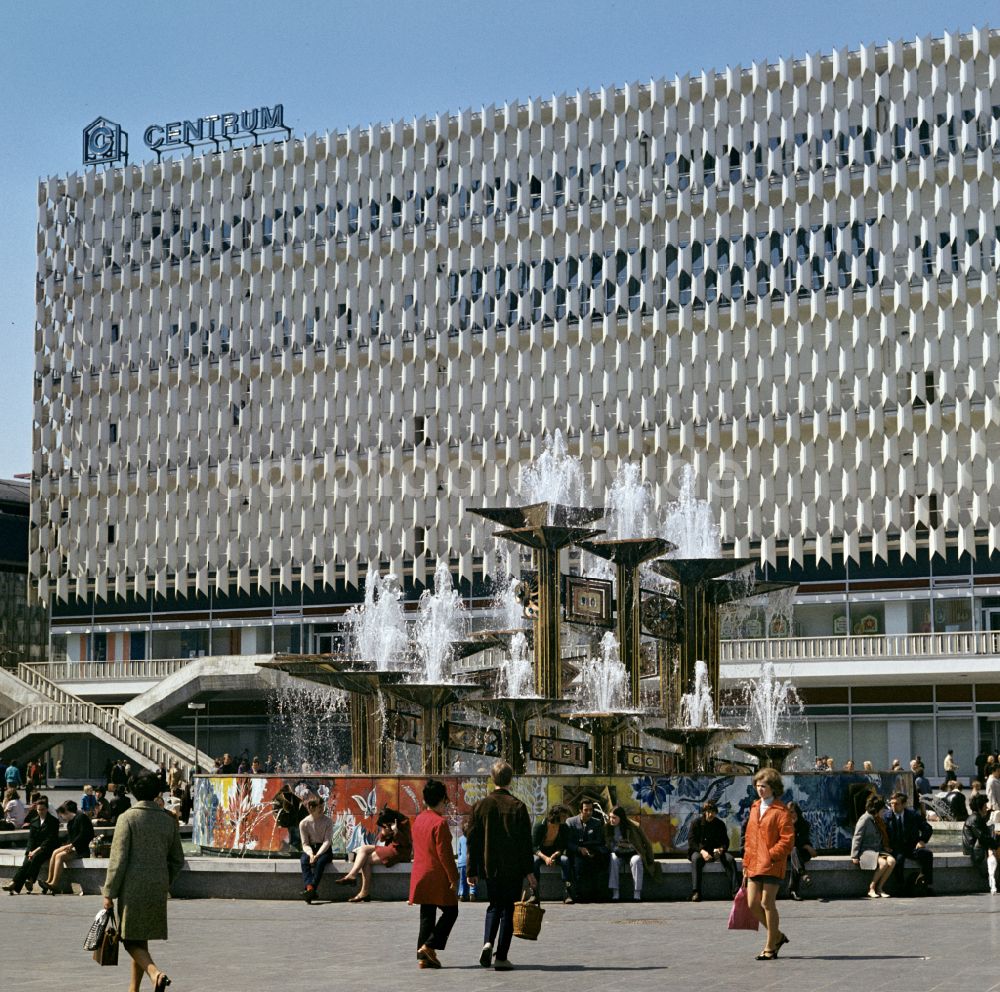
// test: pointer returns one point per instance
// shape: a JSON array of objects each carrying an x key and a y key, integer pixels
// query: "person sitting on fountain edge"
[
  {"x": 978, "y": 842},
  {"x": 628, "y": 845},
  {"x": 909, "y": 833},
  {"x": 550, "y": 840},
  {"x": 708, "y": 841},
  {"x": 588, "y": 850}
]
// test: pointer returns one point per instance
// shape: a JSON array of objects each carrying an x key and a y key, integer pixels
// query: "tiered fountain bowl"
[
  {"x": 773, "y": 755},
  {"x": 336, "y": 671},
  {"x": 698, "y": 744}
]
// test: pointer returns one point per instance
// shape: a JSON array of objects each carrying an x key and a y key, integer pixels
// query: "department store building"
[{"x": 262, "y": 371}]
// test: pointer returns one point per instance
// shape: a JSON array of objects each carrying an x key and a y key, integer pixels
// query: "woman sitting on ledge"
[
  {"x": 394, "y": 846},
  {"x": 870, "y": 847}
]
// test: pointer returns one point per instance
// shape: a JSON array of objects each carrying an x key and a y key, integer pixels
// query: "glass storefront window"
[
  {"x": 920, "y": 616},
  {"x": 820, "y": 619},
  {"x": 867, "y": 619},
  {"x": 952, "y": 615}
]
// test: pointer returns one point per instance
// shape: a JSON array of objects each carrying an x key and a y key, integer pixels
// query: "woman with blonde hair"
[{"x": 767, "y": 843}]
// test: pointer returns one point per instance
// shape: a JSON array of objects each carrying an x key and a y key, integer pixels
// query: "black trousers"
[
  {"x": 924, "y": 859},
  {"x": 499, "y": 929},
  {"x": 698, "y": 863},
  {"x": 590, "y": 875},
  {"x": 434, "y": 934},
  {"x": 31, "y": 868}
]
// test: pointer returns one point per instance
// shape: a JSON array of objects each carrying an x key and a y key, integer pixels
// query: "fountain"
[
  {"x": 440, "y": 623},
  {"x": 602, "y": 708},
  {"x": 770, "y": 701},
  {"x": 379, "y": 646},
  {"x": 698, "y": 732},
  {"x": 528, "y": 685},
  {"x": 514, "y": 703}
]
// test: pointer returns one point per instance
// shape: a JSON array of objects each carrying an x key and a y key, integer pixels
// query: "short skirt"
[
  {"x": 391, "y": 854},
  {"x": 766, "y": 879}
]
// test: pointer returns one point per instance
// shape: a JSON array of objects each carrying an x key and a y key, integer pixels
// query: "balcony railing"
[
  {"x": 855, "y": 648},
  {"x": 109, "y": 671}
]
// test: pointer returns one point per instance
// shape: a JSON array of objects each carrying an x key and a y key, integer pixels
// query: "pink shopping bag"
[{"x": 740, "y": 917}]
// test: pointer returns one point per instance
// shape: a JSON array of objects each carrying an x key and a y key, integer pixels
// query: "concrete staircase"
[{"x": 53, "y": 713}]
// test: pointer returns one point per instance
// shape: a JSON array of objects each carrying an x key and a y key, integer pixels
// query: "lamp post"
[{"x": 197, "y": 708}]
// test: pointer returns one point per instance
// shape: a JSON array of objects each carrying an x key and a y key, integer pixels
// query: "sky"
[{"x": 337, "y": 64}]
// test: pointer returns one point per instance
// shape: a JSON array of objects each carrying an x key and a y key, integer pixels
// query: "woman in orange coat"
[
  {"x": 434, "y": 878},
  {"x": 769, "y": 839}
]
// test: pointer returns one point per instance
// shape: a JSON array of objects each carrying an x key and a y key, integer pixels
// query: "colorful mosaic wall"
[{"x": 235, "y": 813}]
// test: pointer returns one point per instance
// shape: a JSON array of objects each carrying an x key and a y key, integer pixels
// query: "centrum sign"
[{"x": 216, "y": 128}]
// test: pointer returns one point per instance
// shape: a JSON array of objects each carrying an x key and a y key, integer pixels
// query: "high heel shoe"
[
  {"x": 781, "y": 943},
  {"x": 766, "y": 955},
  {"x": 360, "y": 898},
  {"x": 162, "y": 981},
  {"x": 345, "y": 880}
]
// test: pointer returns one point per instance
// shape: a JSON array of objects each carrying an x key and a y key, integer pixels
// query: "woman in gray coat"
[
  {"x": 870, "y": 847},
  {"x": 146, "y": 857}
]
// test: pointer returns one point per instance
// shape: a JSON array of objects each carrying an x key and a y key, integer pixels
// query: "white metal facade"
[{"x": 293, "y": 356}]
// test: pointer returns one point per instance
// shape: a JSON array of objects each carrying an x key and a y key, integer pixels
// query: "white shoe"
[
  {"x": 504, "y": 965},
  {"x": 486, "y": 957}
]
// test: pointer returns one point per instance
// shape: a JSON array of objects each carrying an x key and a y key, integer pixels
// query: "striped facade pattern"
[{"x": 292, "y": 360}]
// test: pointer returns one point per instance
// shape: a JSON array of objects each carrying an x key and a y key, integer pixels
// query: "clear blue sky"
[{"x": 338, "y": 63}]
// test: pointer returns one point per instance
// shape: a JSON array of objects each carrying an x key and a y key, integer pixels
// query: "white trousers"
[{"x": 614, "y": 871}]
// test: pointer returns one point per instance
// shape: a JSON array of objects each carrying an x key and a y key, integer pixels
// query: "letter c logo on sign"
[{"x": 104, "y": 143}]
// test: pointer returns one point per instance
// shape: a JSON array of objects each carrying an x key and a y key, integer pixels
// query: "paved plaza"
[{"x": 228, "y": 946}]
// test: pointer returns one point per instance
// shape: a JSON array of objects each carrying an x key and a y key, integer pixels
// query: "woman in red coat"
[
  {"x": 434, "y": 878},
  {"x": 769, "y": 839}
]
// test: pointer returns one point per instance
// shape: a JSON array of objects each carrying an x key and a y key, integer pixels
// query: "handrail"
[
  {"x": 147, "y": 740},
  {"x": 956, "y": 644},
  {"x": 84, "y": 671}
]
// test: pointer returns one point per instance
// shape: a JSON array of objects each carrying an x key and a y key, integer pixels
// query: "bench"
[{"x": 833, "y": 877}]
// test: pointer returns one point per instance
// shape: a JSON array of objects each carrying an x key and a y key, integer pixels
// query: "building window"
[
  {"x": 112, "y": 433},
  {"x": 111, "y": 533}
]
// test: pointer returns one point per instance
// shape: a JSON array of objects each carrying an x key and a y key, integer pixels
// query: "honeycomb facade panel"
[{"x": 279, "y": 362}]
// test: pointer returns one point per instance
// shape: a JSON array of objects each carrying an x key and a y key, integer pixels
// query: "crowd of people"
[
  {"x": 499, "y": 850},
  {"x": 103, "y": 805}
]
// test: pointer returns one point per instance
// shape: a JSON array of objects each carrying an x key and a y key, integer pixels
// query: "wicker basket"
[{"x": 527, "y": 919}]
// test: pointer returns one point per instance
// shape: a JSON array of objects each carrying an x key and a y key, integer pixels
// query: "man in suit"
[
  {"x": 500, "y": 850},
  {"x": 909, "y": 833},
  {"x": 43, "y": 838},
  {"x": 588, "y": 849}
]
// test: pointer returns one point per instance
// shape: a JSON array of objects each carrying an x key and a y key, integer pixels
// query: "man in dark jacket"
[
  {"x": 909, "y": 833},
  {"x": 43, "y": 838},
  {"x": 119, "y": 803},
  {"x": 588, "y": 850},
  {"x": 708, "y": 841},
  {"x": 79, "y": 834},
  {"x": 101, "y": 813},
  {"x": 499, "y": 842},
  {"x": 288, "y": 813},
  {"x": 978, "y": 841}
]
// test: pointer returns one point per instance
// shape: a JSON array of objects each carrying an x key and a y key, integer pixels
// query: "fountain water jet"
[
  {"x": 441, "y": 622},
  {"x": 770, "y": 702},
  {"x": 555, "y": 476}
]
